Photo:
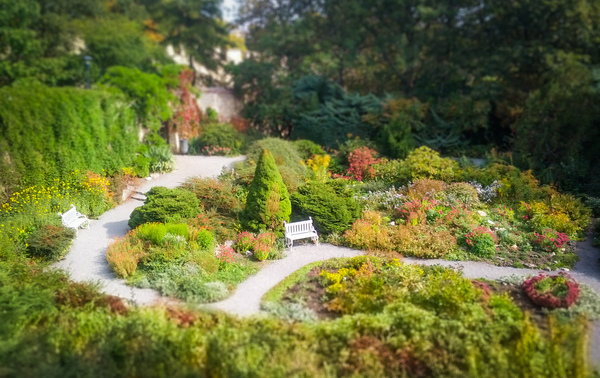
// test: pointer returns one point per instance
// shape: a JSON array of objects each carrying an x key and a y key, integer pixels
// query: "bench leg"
[
  {"x": 289, "y": 243},
  {"x": 315, "y": 240}
]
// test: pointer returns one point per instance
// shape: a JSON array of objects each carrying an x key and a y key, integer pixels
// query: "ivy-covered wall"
[{"x": 47, "y": 133}]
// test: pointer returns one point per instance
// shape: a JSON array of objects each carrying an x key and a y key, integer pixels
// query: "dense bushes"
[
  {"x": 307, "y": 148},
  {"x": 286, "y": 158},
  {"x": 47, "y": 133},
  {"x": 220, "y": 196},
  {"x": 178, "y": 260},
  {"x": 165, "y": 205},
  {"x": 284, "y": 153},
  {"x": 49, "y": 242},
  {"x": 224, "y": 136},
  {"x": 426, "y": 321},
  {"x": 331, "y": 205}
]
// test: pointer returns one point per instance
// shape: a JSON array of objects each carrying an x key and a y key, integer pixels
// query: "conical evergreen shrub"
[{"x": 268, "y": 203}]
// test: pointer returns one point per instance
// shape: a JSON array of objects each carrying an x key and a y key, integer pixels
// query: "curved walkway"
[{"x": 86, "y": 260}]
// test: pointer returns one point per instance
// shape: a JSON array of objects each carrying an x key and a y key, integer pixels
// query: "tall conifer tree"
[{"x": 268, "y": 203}]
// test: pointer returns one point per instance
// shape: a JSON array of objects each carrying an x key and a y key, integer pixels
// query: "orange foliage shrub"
[
  {"x": 423, "y": 241},
  {"x": 123, "y": 256},
  {"x": 425, "y": 188},
  {"x": 370, "y": 233}
]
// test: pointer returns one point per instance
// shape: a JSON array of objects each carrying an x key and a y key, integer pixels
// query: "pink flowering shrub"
[
  {"x": 268, "y": 238},
  {"x": 244, "y": 241},
  {"x": 261, "y": 251},
  {"x": 260, "y": 245},
  {"x": 225, "y": 254},
  {"x": 550, "y": 240}
]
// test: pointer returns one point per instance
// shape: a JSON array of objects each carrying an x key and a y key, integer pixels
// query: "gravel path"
[
  {"x": 86, "y": 260},
  {"x": 246, "y": 298}
]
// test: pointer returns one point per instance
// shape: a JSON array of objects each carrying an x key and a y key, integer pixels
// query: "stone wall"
[{"x": 222, "y": 100}]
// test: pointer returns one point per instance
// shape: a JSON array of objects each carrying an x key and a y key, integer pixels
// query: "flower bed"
[{"x": 552, "y": 291}]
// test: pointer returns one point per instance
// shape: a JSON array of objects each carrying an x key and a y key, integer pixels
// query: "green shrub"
[
  {"x": 179, "y": 229},
  {"x": 558, "y": 215},
  {"x": 205, "y": 240},
  {"x": 286, "y": 158},
  {"x": 165, "y": 205},
  {"x": 268, "y": 202},
  {"x": 481, "y": 242},
  {"x": 331, "y": 205},
  {"x": 49, "y": 242},
  {"x": 160, "y": 159},
  {"x": 461, "y": 193},
  {"x": 424, "y": 162},
  {"x": 594, "y": 204},
  {"x": 218, "y": 135},
  {"x": 284, "y": 153},
  {"x": 152, "y": 232},
  {"x": 307, "y": 148},
  {"x": 186, "y": 282},
  {"x": 218, "y": 195},
  {"x": 156, "y": 233},
  {"x": 48, "y": 133},
  {"x": 579, "y": 214}
]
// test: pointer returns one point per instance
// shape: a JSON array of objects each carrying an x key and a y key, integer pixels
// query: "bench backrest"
[
  {"x": 298, "y": 227},
  {"x": 69, "y": 215}
]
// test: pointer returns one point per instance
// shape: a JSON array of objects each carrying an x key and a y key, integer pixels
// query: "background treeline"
[
  {"x": 46, "y": 40},
  {"x": 464, "y": 77},
  {"x": 50, "y": 126}
]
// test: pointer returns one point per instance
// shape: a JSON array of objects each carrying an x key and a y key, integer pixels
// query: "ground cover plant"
[
  {"x": 499, "y": 215},
  {"x": 431, "y": 320},
  {"x": 178, "y": 260},
  {"x": 54, "y": 327},
  {"x": 29, "y": 220}
]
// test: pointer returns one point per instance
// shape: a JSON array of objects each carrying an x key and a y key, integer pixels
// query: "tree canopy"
[
  {"x": 515, "y": 76},
  {"x": 46, "y": 41}
]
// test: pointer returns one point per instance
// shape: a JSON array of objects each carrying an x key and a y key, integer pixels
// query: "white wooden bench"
[
  {"x": 74, "y": 219},
  {"x": 300, "y": 230}
]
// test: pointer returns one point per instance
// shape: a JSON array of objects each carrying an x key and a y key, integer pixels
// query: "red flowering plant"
[
  {"x": 338, "y": 176},
  {"x": 504, "y": 213},
  {"x": 550, "y": 240},
  {"x": 267, "y": 238},
  {"x": 525, "y": 208},
  {"x": 552, "y": 291},
  {"x": 481, "y": 241},
  {"x": 362, "y": 161},
  {"x": 244, "y": 242},
  {"x": 225, "y": 254},
  {"x": 415, "y": 212},
  {"x": 261, "y": 251}
]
